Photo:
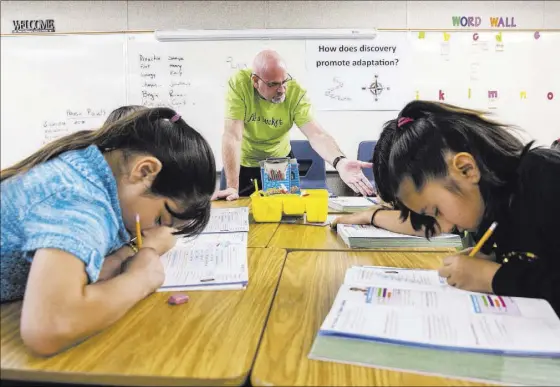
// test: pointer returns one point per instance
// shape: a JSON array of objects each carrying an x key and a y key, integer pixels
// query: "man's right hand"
[{"x": 229, "y": 194}]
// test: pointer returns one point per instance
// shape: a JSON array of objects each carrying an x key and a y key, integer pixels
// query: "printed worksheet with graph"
[{"x": 417, "y": 308}]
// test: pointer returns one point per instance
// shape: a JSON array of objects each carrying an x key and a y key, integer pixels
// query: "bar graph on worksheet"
[
  {"x": 380, "y": 295},
  {"x": 491, "y": 304},
  {"x": 401, "y": 297}
]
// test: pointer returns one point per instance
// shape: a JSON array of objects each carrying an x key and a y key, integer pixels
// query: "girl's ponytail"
[{"x": 188, "y": 172}]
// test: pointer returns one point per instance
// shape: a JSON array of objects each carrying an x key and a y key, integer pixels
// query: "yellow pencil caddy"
[{"x": 271, "y": 208}]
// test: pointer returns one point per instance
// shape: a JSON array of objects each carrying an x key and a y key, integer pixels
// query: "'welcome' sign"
[{"x": 21, "y": 26}]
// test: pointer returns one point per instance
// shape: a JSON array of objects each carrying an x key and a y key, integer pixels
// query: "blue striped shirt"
[{"x": 68, "y": 203}]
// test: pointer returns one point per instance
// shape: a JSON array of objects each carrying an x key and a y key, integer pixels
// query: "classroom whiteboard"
[
  {"x": 55, "y": 85},
  {"x": 79, "y": 79},
  {"x": 191, "y": 77}
]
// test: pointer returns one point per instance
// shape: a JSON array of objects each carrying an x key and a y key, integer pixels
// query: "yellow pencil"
[
  {"x": 256, "y": 186},
  {"x": 483, "y": 240},
  {"x": 138, "y": 232}
]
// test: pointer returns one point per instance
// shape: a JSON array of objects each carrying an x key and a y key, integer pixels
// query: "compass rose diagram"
[{"x": 376, "y": 88}]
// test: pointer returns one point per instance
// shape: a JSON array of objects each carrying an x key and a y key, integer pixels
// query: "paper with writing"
[
  {"x": 205, "y": 267},
  {"x": 216, "y": 240},
  {"x": 228, "y": 220}
]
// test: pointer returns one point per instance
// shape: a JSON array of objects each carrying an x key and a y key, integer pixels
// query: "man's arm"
[
  {"x": 231, "y": 155},
  {"x": 322, "y": 142},
  {"x": 233, "y": 132},
  {"x": 350, "y": 171},
  {"x": 231, "y": 151}
]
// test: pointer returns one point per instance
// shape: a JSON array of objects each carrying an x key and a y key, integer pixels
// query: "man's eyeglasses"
[{"x": 275, "y": 85}]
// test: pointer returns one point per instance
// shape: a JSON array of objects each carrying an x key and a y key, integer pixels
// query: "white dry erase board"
[
  {"x": 52, "y": 85},
  {"x": 55, "y": 85}
]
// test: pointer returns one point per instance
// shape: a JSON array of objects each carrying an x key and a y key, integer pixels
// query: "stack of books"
[
  {"x": 352, "y": 203},
  {"x": 371, "y": 237}
]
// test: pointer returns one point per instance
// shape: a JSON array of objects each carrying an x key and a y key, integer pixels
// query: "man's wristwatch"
[{"x": 337, "y": 160}]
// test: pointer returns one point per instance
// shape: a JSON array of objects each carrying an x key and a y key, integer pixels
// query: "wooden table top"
[
  {"x": 321, "y": 238},
  {"x": 308, "y": 286},
  {"x": 211, "y": 340},
  {"x": 260, "y": 234},
  {"x": 241, "y": 202}
]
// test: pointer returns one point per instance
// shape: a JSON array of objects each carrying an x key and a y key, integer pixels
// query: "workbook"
[
  {"x": 225, "y": 225},
  {"x": 207, "y": 267},
  {"x": 228, "y": 220},
  {"x": 352, "y": 203},
  {"x": 411, "y": 320},
  {"x": 214, "y": 260},
  {"x": 371, "y": 237},
  {"x": 217, "y": 239}
]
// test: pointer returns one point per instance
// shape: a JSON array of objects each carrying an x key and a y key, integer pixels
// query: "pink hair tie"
[
  {"x": 403, "y": 120},
  {"x": 175, "y": 118}
]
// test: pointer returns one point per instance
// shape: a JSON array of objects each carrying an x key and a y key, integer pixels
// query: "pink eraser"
[{"x": 177, "y": 299}]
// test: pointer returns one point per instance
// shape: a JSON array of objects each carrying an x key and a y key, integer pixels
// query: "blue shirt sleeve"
[{"x": 75, "y": 222}]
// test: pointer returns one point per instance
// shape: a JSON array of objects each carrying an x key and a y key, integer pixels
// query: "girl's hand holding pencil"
[
  {"x": 145, "y": 264},
  {"x": 479, "y": 255},
  {"x": 469, "y": 272},
  {"x": 147, "y": 267},
  {"x": 161, "y": 239}
]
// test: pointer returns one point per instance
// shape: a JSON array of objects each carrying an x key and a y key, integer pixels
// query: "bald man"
[{"x": 262, "y": 105}]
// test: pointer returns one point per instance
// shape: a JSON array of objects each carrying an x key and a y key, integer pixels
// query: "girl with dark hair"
[
  {"x": 122, "y": 112},
  {"x": 452, "y": 168},
  {"x": 385, "y": 215},
  {"x": 68, "y": 213},
  {"x": 556, "y": 144}
]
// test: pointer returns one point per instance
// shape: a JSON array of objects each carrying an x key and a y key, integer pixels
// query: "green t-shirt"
[{"x": 266, "y": 124}]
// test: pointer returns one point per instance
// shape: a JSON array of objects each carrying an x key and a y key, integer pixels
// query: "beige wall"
[{"x": 75, "y": 16}]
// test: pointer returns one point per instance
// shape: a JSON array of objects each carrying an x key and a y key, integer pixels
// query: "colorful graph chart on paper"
[
  {"x": 380, "y": 293},
  {"x": 491, "y": 304},
  {"x": 385, "y": 296},
  {"x": 401, "y": 297}
]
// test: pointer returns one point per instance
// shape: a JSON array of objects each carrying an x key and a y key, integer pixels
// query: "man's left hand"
[
  {"x": 350, "y": 172},
  {"x": 469, "y": 273}
]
